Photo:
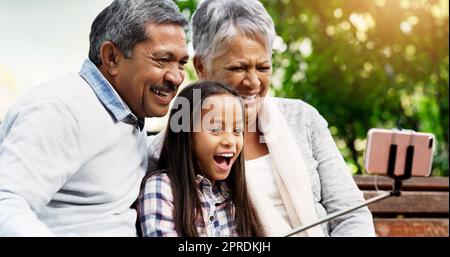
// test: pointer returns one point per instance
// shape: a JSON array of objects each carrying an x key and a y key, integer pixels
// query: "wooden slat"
[
  {"x": 411, "y": 202},
  {"x": 427, "y": 198},
  {"x": 412, "y": 227},
  {"x": 412, "y": 184}
]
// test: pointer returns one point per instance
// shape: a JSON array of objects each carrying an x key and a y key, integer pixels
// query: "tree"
[{"x": 364, "y": 64}]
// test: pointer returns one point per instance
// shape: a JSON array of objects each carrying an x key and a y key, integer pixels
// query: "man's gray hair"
[
  {"x": 216, "y": 22},
  {"x": 123, "y": 23}
]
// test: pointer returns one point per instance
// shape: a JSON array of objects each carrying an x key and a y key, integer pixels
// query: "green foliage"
[{"x": 364, "y": 64}]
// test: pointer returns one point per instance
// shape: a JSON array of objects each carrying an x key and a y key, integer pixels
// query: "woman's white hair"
[{"x": 216, "y": 22}]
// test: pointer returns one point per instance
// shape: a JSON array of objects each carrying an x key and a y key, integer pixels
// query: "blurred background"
[{"x": 361, "y": 63}]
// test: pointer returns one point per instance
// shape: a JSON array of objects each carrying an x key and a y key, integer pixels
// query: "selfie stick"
[{"x": 395, "y": 190}]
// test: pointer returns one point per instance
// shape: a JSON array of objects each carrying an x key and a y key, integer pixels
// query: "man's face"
[{"x": 149, "y": 80}]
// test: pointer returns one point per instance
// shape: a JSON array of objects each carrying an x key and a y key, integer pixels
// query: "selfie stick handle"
[
  {"x": 395, "y": 190},
  {"x": 334, "y": 215}
]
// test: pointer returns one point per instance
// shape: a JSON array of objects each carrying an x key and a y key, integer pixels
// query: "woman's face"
[{"x": 245, "y": 65}]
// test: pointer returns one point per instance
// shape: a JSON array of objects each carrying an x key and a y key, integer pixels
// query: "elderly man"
[{"x": 73, "y": 151}]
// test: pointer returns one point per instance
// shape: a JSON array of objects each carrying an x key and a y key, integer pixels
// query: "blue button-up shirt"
[{"x": 108, "y": 96}]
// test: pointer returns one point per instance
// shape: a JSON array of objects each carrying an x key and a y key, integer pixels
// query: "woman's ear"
[
  {"x": 110, "y": 56},
  {"x": 199, "y": 68}
]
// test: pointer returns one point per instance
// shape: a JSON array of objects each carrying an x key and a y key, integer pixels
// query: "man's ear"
[
  {"x": 110, "y": 56},
  {"x": 199, "y": 68}
]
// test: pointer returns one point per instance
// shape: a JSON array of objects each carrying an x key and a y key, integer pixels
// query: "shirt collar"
[
  {"x": 220, "y": 189},
  {"x": 107, "y": 95}
]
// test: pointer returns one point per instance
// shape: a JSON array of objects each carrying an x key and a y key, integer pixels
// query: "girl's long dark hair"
[{"x": 178, "y": 160}]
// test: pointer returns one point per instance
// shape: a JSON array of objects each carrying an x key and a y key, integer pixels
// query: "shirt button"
[{"x": 211, "y": 218}]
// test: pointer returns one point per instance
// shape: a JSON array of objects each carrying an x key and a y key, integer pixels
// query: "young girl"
[{"x": 199, "y": 187}]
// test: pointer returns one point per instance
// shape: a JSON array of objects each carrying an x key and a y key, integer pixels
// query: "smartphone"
[{"x": 413, "y": 150}]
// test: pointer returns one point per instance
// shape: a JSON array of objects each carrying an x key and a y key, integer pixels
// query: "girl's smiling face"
[{"x": 220, "y": 138}]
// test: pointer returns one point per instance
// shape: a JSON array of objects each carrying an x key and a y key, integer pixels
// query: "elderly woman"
[{"x": 294, "y": 170}]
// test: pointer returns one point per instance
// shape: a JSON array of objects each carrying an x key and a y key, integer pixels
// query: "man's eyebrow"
[
  {"x": 170, "y": 55},
  {"x": 185, "y": 58},
  {"x": 164, "y": 53}
]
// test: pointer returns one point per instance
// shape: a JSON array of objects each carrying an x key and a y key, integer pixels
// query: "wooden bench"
[{"x": 421, "y": 211}]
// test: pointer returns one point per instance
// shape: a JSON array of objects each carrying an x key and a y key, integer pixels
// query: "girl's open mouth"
[{"x": 223, "y": 160}]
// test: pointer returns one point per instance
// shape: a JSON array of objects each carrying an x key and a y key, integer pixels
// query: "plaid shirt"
[{"x": 156, "y": 209}]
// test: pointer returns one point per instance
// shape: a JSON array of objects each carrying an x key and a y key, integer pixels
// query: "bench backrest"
[{"x": 421, "y": 210}]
